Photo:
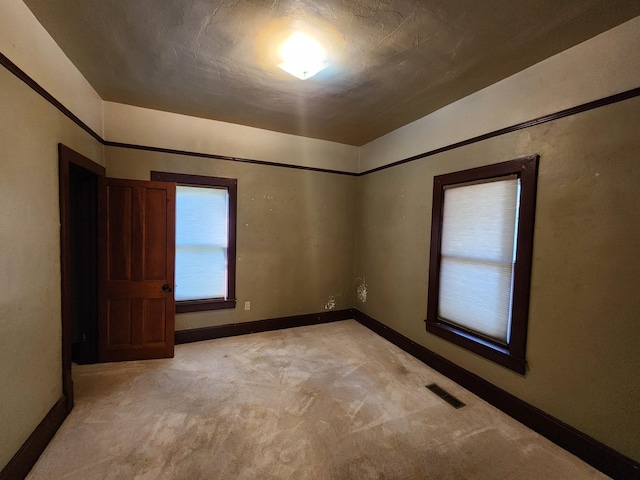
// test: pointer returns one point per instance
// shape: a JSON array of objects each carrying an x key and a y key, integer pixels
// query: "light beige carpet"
[{"x": 331, "y": 401}]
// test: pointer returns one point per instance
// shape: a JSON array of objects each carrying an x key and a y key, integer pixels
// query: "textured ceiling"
[{"x": 391, "y": 61}]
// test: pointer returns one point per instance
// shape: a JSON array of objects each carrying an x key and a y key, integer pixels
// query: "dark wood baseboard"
[
  {"x": 588, "y": 449},
  {"x": 209, "y": 333},
  {"x": 22, "y": 462},
  {"x": 596, "y": 454}
]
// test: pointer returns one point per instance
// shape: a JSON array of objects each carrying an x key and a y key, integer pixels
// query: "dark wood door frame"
[{"x": 68, "y": 157}]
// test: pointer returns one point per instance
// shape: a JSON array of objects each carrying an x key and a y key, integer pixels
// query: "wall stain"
[
  {"x": 362, "y": 290},
  {"x": 331, "y": 303}
]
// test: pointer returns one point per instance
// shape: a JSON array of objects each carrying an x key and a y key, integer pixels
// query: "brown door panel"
[
  {"x": 139, "y": 306},
  {"x": 139, "y": 289}
]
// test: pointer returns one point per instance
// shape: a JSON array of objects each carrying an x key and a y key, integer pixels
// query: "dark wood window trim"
[
  {"x": 511, "y": 355},
  {"x": 231, "y": 184}
]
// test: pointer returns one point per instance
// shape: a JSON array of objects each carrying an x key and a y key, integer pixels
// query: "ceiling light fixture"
[{"x": 302, "y": 56}]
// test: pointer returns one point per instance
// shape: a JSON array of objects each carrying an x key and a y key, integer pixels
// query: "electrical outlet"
[{"x": 247, "y": 305}]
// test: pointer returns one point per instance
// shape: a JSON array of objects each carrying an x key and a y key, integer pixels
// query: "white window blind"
[
  {"x": 479, "y": 229},
  {"x": 201, "y": 242}
]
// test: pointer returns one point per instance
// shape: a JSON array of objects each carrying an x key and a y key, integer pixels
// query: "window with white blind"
[
  {"x": 480, "y": 262},
  {"x": 202, "y": 224},
  {"x": 205, "y": 241}
]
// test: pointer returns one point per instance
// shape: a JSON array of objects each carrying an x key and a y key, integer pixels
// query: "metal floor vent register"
[{"x": 446, "y": 396}]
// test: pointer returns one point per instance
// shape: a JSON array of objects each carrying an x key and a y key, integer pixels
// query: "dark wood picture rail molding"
[
  {"x": 619, "y": 97},
  {"x": 588, "y": 449},
  {"x": 222, "y": 157},
  {"x": 35, "y": 86},
  {"x": 602, "y": 102}
]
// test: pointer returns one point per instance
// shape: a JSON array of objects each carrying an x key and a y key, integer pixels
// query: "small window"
[
  {"x": 480, "y": 261},
  {"x": 205, "y": 241}
]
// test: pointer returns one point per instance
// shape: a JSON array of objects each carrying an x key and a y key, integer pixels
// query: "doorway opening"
[
  {"x": 83, "y": 217},
  {"x": 80, "y": 180}
]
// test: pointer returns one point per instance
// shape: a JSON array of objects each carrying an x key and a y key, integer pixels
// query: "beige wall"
[
  {"x": 583, "y": 334},
  {"x": 30, "y": 130},
  {"x": 30, "y": 322},
  {"x": 295, "y": 234},
  {"x": 298, "y": 230},
  {"x": 583, "y": 326}
]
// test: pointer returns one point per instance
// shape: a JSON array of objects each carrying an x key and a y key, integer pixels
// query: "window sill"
[
  {"x": 203, "y": 305},
  {"x": 476, "y": 344}
]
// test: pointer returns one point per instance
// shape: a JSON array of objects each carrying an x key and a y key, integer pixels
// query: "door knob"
[{"x": 166, "y": 288}]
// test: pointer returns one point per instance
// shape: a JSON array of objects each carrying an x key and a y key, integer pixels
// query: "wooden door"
[{"x": 138, "y": 306}]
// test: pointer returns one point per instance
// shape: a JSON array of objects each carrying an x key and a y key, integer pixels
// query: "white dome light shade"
[{"x": 302, "y": 56}]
